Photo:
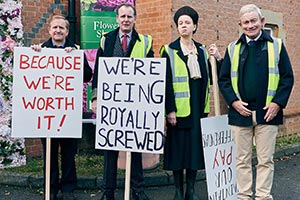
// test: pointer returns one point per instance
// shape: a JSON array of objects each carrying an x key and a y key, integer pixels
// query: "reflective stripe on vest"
[
  {"x": 181, "y": 83},
  {"x": 235, "y": 50},
  {"x": 140, "y": 48}
]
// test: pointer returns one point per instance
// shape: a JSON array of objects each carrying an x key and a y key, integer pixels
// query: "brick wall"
[
  {"x": 35, "y": 15},
  {"x": 33, "y": 147},
  {"x": 154, "y": 18},
  {"x": 217, "y": 24}
]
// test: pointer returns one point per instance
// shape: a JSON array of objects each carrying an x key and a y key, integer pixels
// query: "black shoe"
[
  {"x": 178, "y": 195},
  {"x": 68, "y": 196},
  {"x": 107, "y": 196},
  {"x": 53, "y": 196},
  {"x": 190, "y": 195},
  {"x": 139, "y": 195}
]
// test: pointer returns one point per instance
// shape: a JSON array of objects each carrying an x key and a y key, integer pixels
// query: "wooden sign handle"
[
  {"x": 127, "y": 176},
  {"x": 48, "y": 164},
  {"x": 213, "y": 64}
]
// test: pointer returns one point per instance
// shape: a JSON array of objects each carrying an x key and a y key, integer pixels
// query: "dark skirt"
[
  {"x": 183, "y": 150},
  {"x": 183, "y": 144}
]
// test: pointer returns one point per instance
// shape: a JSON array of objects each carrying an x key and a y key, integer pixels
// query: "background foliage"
[{"x": 12, "y": 151}]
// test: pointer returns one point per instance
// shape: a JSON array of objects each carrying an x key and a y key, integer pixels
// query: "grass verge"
[
  {"x": 86, "y": 165},
  {"x": 92, "y": 165}
]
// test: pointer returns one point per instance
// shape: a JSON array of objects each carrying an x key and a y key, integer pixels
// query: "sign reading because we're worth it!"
[
  {"x": 47, "y": 93},
  {"x": 130, "y": 99}
]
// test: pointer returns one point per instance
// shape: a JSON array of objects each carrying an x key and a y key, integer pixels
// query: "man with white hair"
[{"x": 256, "y": 80}]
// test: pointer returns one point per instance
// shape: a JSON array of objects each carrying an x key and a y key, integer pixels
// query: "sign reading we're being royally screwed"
[{"x": 130, "y": 99}]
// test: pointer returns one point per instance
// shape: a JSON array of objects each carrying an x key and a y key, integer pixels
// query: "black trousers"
[
  {"x": 68, "y": 147},
  {"x": 110, "y": 171}
]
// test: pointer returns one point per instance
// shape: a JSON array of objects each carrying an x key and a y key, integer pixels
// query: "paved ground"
[{"x": 286, "y": 186}]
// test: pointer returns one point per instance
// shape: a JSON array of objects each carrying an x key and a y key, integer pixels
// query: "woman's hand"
[
  {"x": 171, "y": 117},
  {"x": 213, "y": 51}
]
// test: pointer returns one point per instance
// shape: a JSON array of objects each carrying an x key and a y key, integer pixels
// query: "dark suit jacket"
[{"x": 282, "y": 93}]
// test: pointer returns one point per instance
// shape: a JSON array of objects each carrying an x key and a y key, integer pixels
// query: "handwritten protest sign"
[
  {"x": 219, "y": 153},
  {"x": 130, "y": 99},
  {"x": 47, "y": 93}
]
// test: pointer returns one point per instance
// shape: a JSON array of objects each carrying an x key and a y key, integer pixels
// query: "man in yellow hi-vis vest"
[
  {"x": 122, "y": 42},
  {"x": 256, "y": 80}
]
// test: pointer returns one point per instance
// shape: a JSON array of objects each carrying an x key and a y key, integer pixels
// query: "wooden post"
[
  {"x": 127, "y": 176},
  {"x": 213, "y": 64},
  {"x": 48, "y": 162}
]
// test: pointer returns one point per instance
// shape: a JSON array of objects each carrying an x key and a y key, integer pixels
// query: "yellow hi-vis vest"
[
  {"x": 140, "y": 48},
  {"x": 180, "y": 78},
  {"x": 274, "y": 49}
]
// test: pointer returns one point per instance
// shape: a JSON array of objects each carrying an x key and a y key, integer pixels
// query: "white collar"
[{"x": 255, "y": 39}]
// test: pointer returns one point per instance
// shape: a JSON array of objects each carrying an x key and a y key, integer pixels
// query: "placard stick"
[
  {"x": 127, "y": 176},
  {"x": 213, "y": 64},
  {"x": 48, "y": 162}
]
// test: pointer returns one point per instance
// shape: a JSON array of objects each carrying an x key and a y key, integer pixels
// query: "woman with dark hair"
[{"x": 187, "y": 100}]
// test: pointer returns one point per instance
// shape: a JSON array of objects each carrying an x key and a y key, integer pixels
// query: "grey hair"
[{"x": 250, "y": 8}]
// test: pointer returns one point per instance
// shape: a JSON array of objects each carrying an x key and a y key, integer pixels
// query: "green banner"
[{"x": 93, "y": 25}]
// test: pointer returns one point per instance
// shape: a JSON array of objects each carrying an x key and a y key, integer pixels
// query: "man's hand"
[
  {"x": 272, "y": 110},
  {"x": 36, "y": 47},
  {"x": 69, "y": 49},
  {"x": 241, "y": 107}
]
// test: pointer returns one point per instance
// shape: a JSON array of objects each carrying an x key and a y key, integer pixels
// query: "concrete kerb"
[{"x": 152, "y": 177}]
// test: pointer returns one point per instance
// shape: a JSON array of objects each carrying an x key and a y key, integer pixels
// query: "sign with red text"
[
  {"x": 130, "y": 99},
  {"x": 47, "y": 93},
  {"x": 219, "y": 154}
]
